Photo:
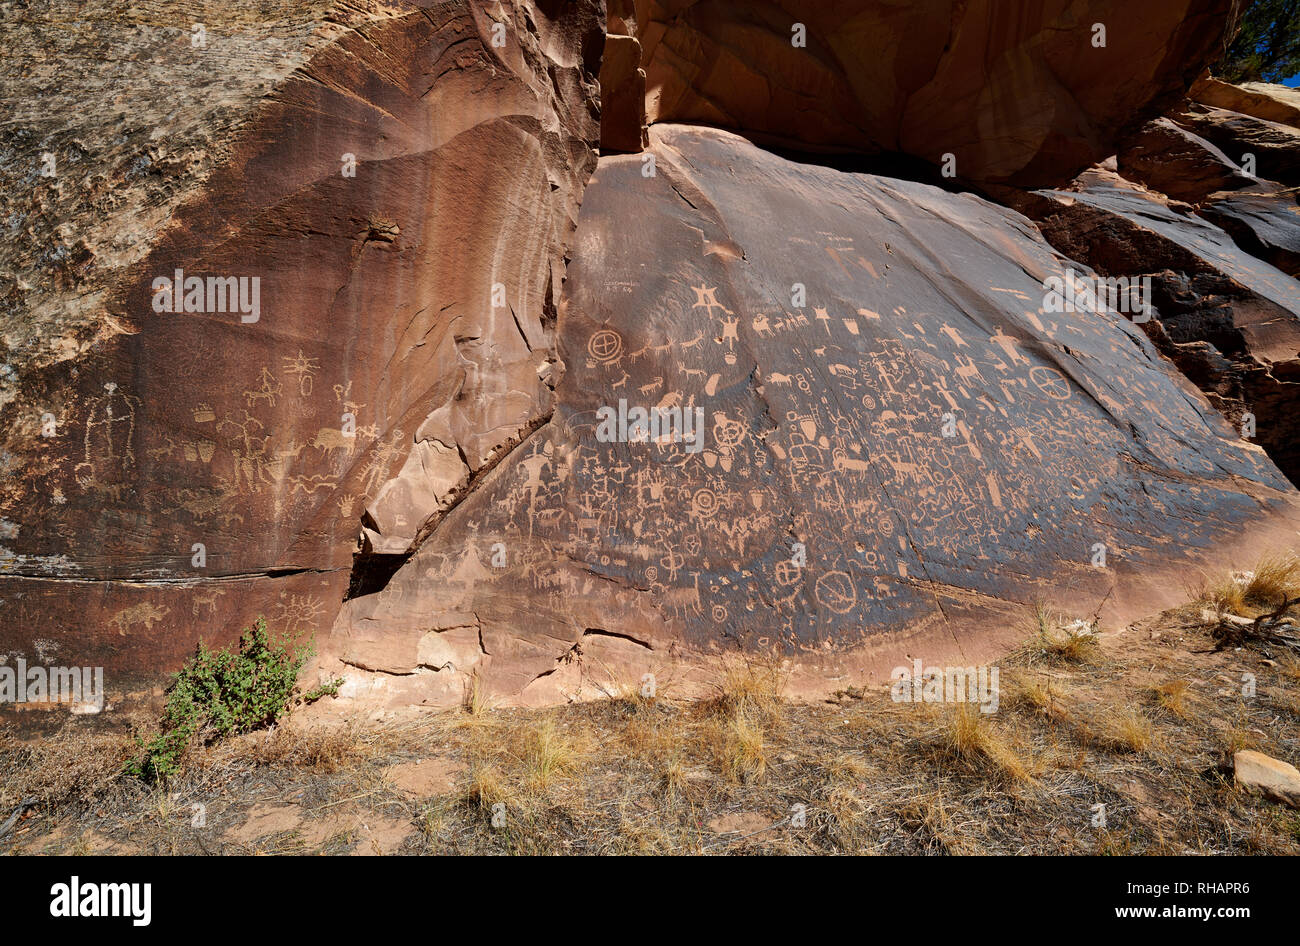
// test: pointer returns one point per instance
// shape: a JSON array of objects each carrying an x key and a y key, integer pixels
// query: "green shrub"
[{"x": 218, "y": 694}]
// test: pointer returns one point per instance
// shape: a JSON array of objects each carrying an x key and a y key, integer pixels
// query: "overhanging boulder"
[{"x": 1028, "y": 92}]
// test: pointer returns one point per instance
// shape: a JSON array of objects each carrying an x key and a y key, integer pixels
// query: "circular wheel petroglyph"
[
  {"x": 835, "y": 591},
  {"x": 787, "y": 573},
  {"x": 605, "y": 345},
  {"x": 1050, "y": 381}
]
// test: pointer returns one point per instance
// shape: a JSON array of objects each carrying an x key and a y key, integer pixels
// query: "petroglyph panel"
[
  {"x": 894, "y": 427},
  {"x": 212, "y": 461}
]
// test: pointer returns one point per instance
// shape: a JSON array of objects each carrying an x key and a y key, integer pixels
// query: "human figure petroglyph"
[
  {"x": 705, "y": 298},
  {"x": 533, "y": 465},
  {"x": 730, "y": 333},
  {"x": 269, "y": 390},
  {"x": 381, "y": 461},
  {"x": 1009, "y": 345},
  {"x": 249, "y": 454},
  {"x": 109, "y": 441}
]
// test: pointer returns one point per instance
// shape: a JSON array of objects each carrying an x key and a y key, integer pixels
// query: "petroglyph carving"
[
  {"x": 268, "y": 391},
  {"x": 109, "y": 442},
  {"x": 378, "y": 468},
  {"x": 605, "y": 346},
  {"x": 296, "y": 613},
  {"x": 207, "y": 600},
  {"x": 304, "y": 369},
  {"x": 146, "y": 614},
  {"x": 329, "y": 439}
]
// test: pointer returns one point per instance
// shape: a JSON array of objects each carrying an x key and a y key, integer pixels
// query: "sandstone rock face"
[
  {"x": 111, "y": 124},
  {"x": 377, "y": 255},
  {"x": 1017, "y": 92},
  {"x": 1274, "y": 103},
  {"x": 1261, "y": 215},
  {"x": 898, "y": 439},
  {"x": 1275, "y": 147},
  {"x": 1272, "y": 327},
  {"x": 317, "y": 319},
  {"x": 1229, "y": 320},
  {"x": 1264, "y": 775},
  {"x": 622, "y": 83},
  {"x": 1176, "y": 162},
  {"x": 1237, "y": 175},
  {"x": 1265, "y": 222}
]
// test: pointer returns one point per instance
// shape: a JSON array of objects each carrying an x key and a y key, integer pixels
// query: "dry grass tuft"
[
  {"x": 68, "y": 767},
  {"x": 752, "y": 686},
  {"x": 1172, "y": 697},
  {"x": 548, "y": 754},
  {"x": 1038, "y": 698},
  {"x": 476, "y": 705},
  {"x": 323, "y": 748},
  {"x": 1225, "y": 595},
  {"x": 1274, "y": 579},
  {"x": 1054, "y": 640},
  {"x": 1287, "y": 701},
  {"x": 928, "y": 816},
  {"x": 745, "y": 756},
  {"x": 674, "y": 780},
  {"x": 1237, "y": 738},
  {"x": 847, "y": 768},
  {"x": 738, "y": 721},
  {"x": 967, "y": 737},
  {"x": 1126, "y": 730},
  {"x": 486, "y": 787},
  {"x": 651, "y": 735}
]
